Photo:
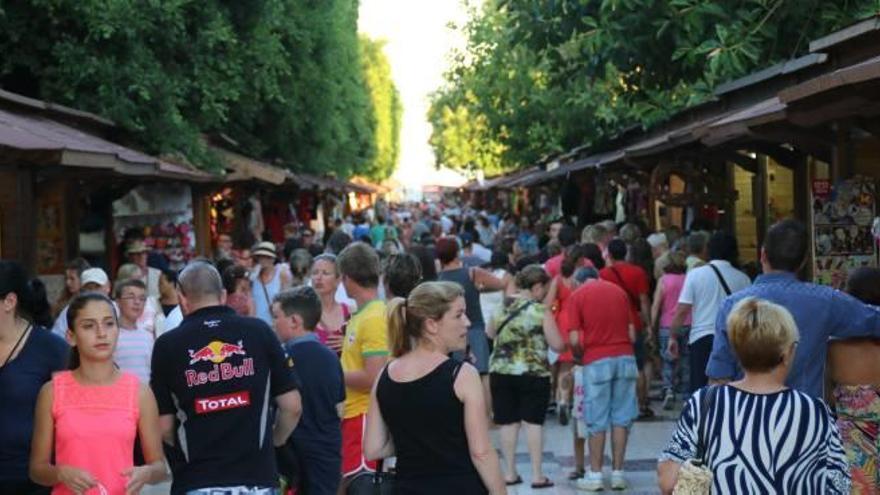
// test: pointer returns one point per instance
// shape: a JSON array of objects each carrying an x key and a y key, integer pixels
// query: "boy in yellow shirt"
[{"x": 364, "y": 350}]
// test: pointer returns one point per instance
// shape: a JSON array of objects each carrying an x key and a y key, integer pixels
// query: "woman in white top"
[{"x": 268, "y": 279}]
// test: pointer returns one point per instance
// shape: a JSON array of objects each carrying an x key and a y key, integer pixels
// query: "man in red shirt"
[
  {"x": 602, "y": 335},
  {"x": 634, "y": 281}
]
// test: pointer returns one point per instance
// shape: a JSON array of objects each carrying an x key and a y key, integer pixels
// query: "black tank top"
[
  {"x": 426, "y": 422},
  {"x": 462, "y": 277}
]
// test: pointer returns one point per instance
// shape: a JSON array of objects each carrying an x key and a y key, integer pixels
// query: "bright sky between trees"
[{"x": 418, "y": 42}]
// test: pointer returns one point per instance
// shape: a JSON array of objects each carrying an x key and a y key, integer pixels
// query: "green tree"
[
  {"x": 546, "y": 76},
  {"x": 283, "y": 78},
  {"x": 387, "y": 108}
]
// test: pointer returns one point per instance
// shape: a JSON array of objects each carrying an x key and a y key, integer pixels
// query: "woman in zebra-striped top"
[{"x": 760, "y": 436}]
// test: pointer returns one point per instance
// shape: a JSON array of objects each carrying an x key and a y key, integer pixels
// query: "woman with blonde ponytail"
[{"x": 428, "y": 409}]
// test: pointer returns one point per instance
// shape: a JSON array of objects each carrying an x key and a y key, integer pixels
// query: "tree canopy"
[
  {"x": 541, "y": 77},
  {"x": 387, "y": 109},
  {"x": 283, "y": 78}
]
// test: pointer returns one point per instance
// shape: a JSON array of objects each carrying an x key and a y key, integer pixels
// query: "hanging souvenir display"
[
  {"x": 163, "y": 212},
  {"x": 843, "y": 221}
]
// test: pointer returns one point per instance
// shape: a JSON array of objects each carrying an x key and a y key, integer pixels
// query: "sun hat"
[
  {"x": 94, "y": 276},
  {"x": 136, "y": 247},
  {"x": 266, "y": 249}
]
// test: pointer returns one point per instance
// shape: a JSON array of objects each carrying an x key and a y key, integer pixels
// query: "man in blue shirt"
[
  {"x": 820, "y": 312},
  {"x": 317, "y": 439}
]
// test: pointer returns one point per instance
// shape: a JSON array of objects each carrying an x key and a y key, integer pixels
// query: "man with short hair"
[
  {"x": 213, "y": 377},
  {"x": 704, "y": 290},
  {"x": 698, "y": 249},
  {"x": 224, "y": 246},
  {"x": 601, "y": 336},
  {"x": 820, "y": 312},
  {"x": 634, "y": 281},
  {"x": 403, "y": 272},
  {"x": 317, "y": 439},
  {"x": 364, "y": 350}
]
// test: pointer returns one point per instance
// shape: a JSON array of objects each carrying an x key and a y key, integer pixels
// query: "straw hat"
[
  {"x": 137, "y": 247},
  {"x": 266, "y": 249}
]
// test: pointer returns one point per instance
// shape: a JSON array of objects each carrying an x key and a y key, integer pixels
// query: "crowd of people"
[{"x": 367, "y": 356}]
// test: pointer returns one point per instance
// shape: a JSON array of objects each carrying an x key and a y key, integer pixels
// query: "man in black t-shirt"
[{"x": 213, "y": 377}]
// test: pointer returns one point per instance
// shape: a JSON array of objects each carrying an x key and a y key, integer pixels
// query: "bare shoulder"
[{"x": 468, "y": 376}]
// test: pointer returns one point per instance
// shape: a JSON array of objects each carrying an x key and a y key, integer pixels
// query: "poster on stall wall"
[{"x": 843, "y": 215}]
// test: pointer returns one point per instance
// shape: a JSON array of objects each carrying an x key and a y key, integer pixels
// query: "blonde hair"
[
  {"x": 406, "y": 317},
  {"x": 594, "y": 234},
  {"x": 760, "y": 333},
  {"x": 128, "y": 271}
]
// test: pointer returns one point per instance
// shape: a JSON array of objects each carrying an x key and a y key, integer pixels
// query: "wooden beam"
[
  {"x": 746, "y": 162},
  {"x": 787, "y": 158}
]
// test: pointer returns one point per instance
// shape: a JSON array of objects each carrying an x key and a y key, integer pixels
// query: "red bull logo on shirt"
[{"x": 218, "y": 352}]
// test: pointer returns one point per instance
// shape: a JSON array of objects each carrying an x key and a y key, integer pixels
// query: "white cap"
[
  {"x": 94, "y": 276},
  {"x": 657, "y": 239}
]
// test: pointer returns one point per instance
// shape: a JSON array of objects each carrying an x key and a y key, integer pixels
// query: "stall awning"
[
  {"x": 854, "y": 74},
  {"x": 242, "y": 168},
  {"x": 51, "y": 142}
]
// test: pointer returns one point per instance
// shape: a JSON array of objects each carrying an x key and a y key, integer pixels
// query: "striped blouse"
[
  {"x": 785, "y": 443},
  {"x": 134, "y": 350}
]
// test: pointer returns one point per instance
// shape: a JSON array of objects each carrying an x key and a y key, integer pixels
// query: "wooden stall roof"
[
  {"x": 38, "y": 139},
  {"x": 854, "y": 74},
  {"x": 240, "y": 168}
]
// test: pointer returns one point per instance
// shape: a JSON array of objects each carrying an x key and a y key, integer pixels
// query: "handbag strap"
[
  {"x": 512, "y": 315},
  {"x": 720, "y": 279},
  {"x": 707, "y": 401}
]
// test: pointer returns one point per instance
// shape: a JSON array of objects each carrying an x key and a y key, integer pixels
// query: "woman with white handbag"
[{"x": 755, "y": 435}]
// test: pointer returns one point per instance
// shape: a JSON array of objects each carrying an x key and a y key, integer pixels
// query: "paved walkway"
[{"x": 647, "y": 439}]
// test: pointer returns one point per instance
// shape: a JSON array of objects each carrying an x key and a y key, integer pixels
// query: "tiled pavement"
[{"x": 646, "y": 440}]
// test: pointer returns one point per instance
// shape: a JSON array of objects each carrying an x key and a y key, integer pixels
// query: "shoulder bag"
[
  {"x": 511, "y": 316},
  {"x": 695, "y": 476},
  {"x": 720, "y": 279}
]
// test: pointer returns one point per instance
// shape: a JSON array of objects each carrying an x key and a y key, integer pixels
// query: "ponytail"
[
  {"x": 406, "y": 317},
  {"x": 398, "y": 337}
]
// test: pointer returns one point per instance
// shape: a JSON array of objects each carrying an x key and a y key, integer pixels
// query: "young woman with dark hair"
[
  {"x": 29, "y": 354},
  {"x": 87, "y": 419}
]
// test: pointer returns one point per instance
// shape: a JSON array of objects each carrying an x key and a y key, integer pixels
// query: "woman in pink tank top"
[
  {"x": 674, "y": 371},
  {"x": 87, "y": 418}
]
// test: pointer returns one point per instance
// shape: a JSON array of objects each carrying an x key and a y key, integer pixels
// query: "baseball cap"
[
  {"x": 656, "y": 239},
  {"x": 94, "y": 276},
  {"x": 265, "y": 249}
]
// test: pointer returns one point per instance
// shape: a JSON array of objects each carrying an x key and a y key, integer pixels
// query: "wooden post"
[
  {"x": 202, "y": 219},
  {"x": 761, "y": 200},
  {"x": 24, "y": 218}
]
